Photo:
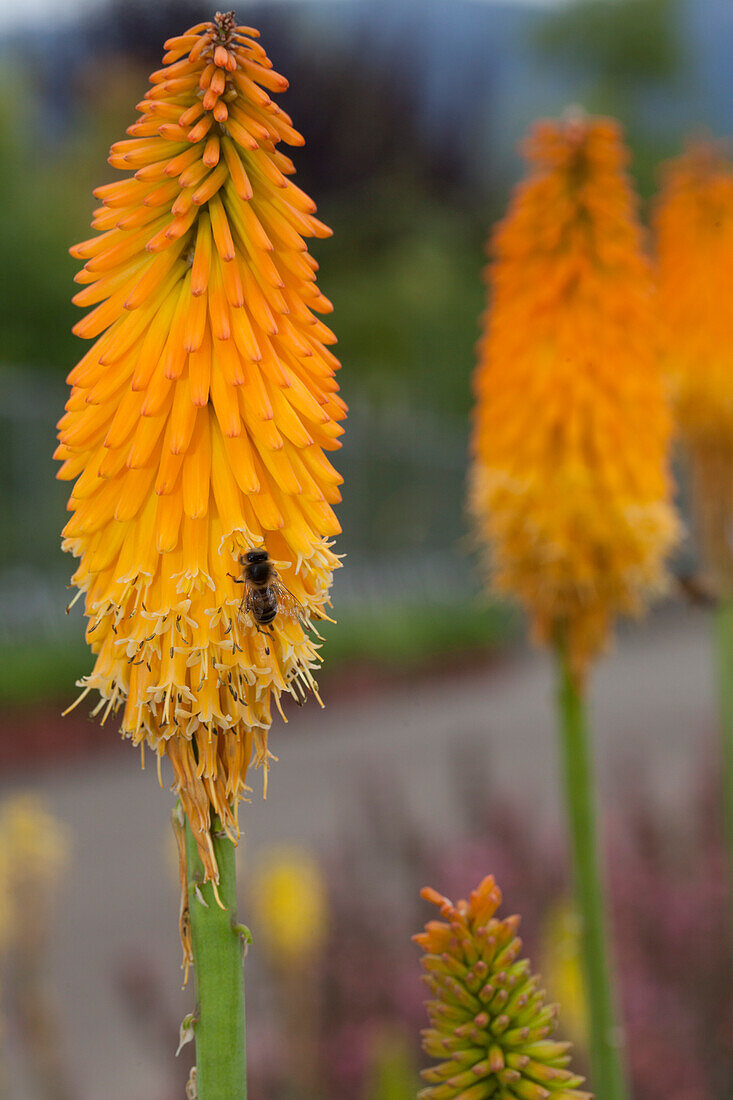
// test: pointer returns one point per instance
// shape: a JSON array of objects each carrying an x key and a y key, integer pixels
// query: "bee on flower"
[{"x": 198, "y": 422}]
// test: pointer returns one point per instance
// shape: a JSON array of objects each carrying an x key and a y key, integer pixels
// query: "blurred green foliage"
[
  {"x": 41, "y": 672},
  {"x": 616, "y": 40},
  {"x": 405, "y": 635},
  {"x": 47, "y": 173},
  {"x": 35, "y": 232},
  {"x": 403, "y": 270}
]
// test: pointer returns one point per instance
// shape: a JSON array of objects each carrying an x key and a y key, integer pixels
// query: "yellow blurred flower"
[
  {"x": 490, "y": 1026},
  {"x": 694, "y": 225},
  {"x": 569, "y": 485},
  {"x": 34, "y": 852},
  {"x": 33, "y": 842},
  {"x": 197, "y": 422},
  {"x": 560, "y": 959},
  {"x": 292, "y": 907}
]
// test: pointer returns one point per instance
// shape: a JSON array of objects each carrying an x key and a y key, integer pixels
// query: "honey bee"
[{"x": 265, "y": 595}]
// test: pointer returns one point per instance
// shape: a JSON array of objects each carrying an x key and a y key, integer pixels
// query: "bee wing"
[
  {"x": 287, "y": 603},
  {"x": 245, "y": 604}
]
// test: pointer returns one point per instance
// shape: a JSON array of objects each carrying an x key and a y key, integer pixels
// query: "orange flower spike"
[
  {"x": 569, "y": 486},
  {"x": 197, "y": 421},
  {"x": 490, "y": 1028},
  {"x": 694, "y": 227}
]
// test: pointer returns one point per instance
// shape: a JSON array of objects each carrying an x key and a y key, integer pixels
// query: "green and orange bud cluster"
[
  {"x": 490, "y": 1025},
  {"x": 570, "y": 489},
  {"x": 198, "y": 421},
  {"x": 694, "y": 226}
]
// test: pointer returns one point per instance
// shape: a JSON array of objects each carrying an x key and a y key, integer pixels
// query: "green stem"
[
  {"x": 724, "y": 638},
  {"x": 606, "y": 1037},
  {"x": 217, "y": 962}
]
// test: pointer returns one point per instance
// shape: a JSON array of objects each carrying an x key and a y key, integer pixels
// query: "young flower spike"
[
  {"x": 197, "y": 423},
  {"x": 569, "y": 484},
  {"x": 694, "y": 224},
  {"x": 490, "y": 1026}
]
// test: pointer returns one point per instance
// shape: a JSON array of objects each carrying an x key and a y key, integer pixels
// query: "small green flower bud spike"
[{"x": 490, "y": 1026}]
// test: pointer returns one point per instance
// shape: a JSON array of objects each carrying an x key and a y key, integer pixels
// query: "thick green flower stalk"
[{"x": 490, "y": 1026}]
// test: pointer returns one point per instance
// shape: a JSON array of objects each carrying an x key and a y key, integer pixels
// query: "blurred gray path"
[{"x": 654, "y": 705}]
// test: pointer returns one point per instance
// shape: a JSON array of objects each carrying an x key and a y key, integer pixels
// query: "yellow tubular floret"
[{"x": 197, "y": 422}]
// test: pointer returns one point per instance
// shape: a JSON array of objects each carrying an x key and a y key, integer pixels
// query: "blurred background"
[{"x": 434, "y": 760}]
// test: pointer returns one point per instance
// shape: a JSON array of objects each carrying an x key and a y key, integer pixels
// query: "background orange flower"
[{"x": 570, "y": 486}]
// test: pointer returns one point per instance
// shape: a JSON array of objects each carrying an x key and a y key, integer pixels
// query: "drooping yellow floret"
[
  {"x": 694, "y": 224},
  {"x": 569, "y": 484},
  {"x": 197, "y": 422}
]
